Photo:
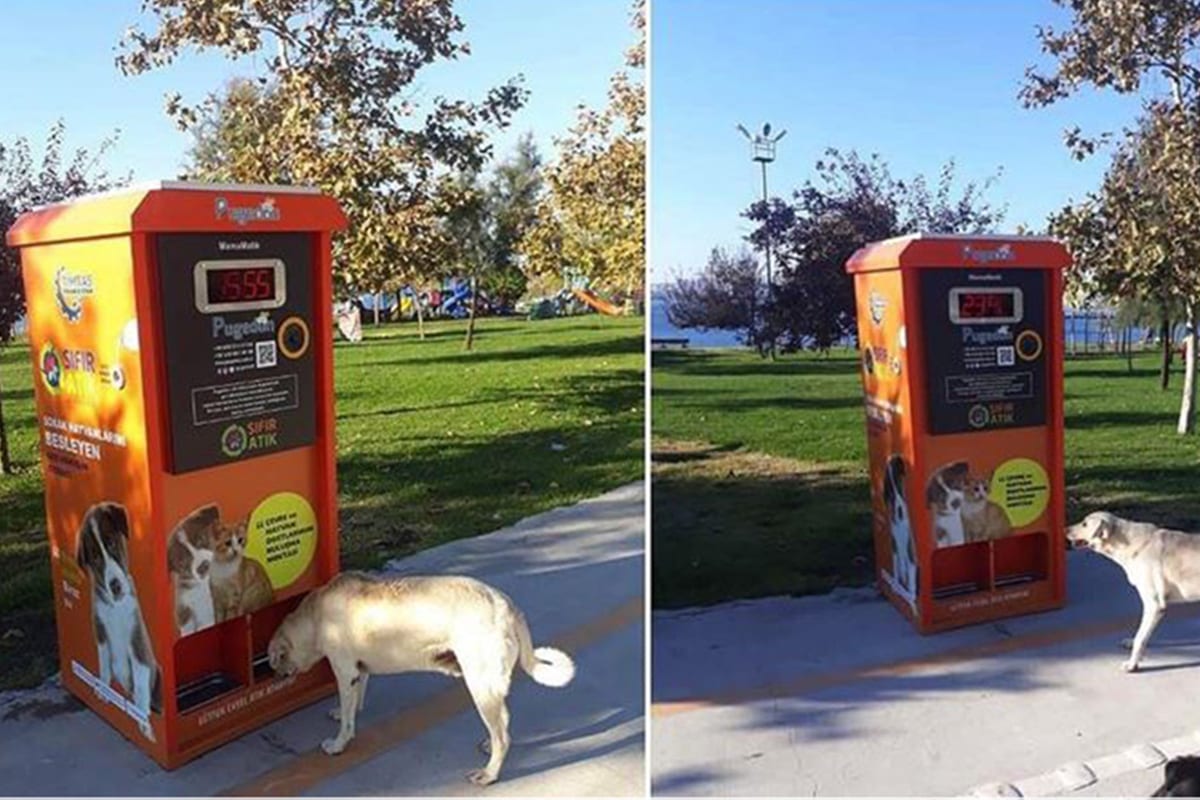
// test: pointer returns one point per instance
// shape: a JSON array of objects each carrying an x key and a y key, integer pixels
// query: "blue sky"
[
  {"x": 57, "y": 59},
  {"x": 917, "y": 81}
]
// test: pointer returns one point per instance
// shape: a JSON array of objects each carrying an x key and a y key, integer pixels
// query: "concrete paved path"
[
  {"x": 837, "y": 695},
  {"x": 577, "y": 572}
]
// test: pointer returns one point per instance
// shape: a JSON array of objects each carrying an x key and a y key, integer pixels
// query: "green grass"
[
  {"x": 434, "y": 444},
  {"x": 760, "y": 482}
]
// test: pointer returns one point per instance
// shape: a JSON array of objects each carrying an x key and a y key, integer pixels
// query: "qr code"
[
  {"x": 264, "y": 354},
  {"x": 1005, "y": 356}
]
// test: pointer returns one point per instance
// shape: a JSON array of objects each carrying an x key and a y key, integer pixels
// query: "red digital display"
[
  {"x": 240, "y": 284},
  {"x": 986, "y": 305}
]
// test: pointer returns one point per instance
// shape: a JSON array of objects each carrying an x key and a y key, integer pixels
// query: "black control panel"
[
  {"x": 984, "y": 339},
  {"x": 237, "y": 334}
]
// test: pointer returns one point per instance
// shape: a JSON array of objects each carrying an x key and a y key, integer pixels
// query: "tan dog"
[
  {"x": 454, "y": 625},
  {"x": 1162, "y": 565}
]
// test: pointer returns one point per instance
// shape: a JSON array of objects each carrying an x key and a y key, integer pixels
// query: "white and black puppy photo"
[
  {"x": 1162, "y": 565},
  {"x": 457, "y": 626},
  {"x": 904, "y": 560},
  {"x": 944, "y": 496},
  {"x": 123, "y": 647},
  {"x": 190, "y": 553}
]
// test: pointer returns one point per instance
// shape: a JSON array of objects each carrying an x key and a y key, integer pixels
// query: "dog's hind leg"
[
  {"x": 488, "y": 684},
  {"x": 347, "y": 680},
  {"x": 1152, "y": 614}
]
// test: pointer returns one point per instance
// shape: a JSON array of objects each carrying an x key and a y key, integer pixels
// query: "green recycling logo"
[{"x": 234, "y": 441}]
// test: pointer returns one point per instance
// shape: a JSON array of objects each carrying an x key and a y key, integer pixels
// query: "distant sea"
[
  {"x": 661, "y": 328},
  {"x": 1086, "y": 334}
]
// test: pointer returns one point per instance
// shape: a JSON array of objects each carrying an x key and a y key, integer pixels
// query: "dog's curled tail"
[{"x": 548, "y": 666}]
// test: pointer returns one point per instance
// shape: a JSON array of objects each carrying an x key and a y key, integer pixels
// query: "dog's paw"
[
  {"x": 481, "y": 777},
  {"x": 1129, "y": 666},
  {"x": 485, "y": 745},
  {"x": 147, "y": 731},
  {"x": 1127, "y": 644},
  {"x": 335, "y": 713},
  {"x": 333, "y": 746}
]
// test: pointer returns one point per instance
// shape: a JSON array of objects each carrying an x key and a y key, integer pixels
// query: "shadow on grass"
[
  {"x": 731, "y": 525},
  {"x": 717, "y": 364},
  {"x": 615, "y": 346},
  {"x": 1090, "y": 420},
  {"x": 734, "y": 401},
  {"x": 436, "y": 489},
  {"x": 1166, "y": 496}
]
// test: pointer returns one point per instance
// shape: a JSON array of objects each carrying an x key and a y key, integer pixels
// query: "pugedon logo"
[
  {"x": 266, "y": 211},
  {"x": 983, "y": 255}
]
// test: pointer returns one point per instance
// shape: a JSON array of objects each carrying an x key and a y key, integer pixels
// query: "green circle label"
[
  {"x": 1020, "y": 486},
  {"x": 282, "y": 536}
]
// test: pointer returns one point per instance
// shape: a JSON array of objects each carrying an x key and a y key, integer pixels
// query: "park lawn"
[
  {"x": 760, "y": 483},
  {"x": 434, "y": 444}
]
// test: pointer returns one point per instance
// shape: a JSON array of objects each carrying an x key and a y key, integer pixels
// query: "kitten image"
[
  {"x": 189, "y": 560},
  {"x": 982, "y": 519},
  {"x": 239, "y": 584}
]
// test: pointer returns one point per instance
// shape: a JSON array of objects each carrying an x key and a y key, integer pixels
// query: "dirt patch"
[{"x": 41, "y": 708}]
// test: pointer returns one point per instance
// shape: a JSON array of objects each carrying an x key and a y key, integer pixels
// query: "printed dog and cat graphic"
[
  {"x": 212, "y": 580},
  {"x": 961, "y": 511}
]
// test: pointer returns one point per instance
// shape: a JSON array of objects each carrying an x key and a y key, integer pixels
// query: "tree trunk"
[
  {"x": 1127, "y": 343},
  {"x": 1167, "y": 353},
  {"x": 5, "y": 461},
  {"x": 471, "y": 315},
  {"x": 1187, "y": 406},
  {"x": 420, "y": 314},
  {"x": 376, "y": 304}
]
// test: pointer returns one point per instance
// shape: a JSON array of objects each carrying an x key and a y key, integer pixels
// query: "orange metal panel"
[{"x": 101, "y": 375}]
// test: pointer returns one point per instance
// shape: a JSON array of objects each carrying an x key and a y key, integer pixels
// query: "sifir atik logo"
[{"x": 238, "y": 439}]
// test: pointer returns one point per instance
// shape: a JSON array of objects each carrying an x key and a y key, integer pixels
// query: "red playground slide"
[{"x": 603, "y": 306}]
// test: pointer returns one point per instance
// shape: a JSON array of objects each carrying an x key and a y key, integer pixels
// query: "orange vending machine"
[
  {"x": 961, "y": 345},
  {"x": 182, "y": 353}
]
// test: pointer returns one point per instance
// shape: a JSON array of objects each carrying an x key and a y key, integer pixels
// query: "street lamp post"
[{"x": 762, "y": 150}]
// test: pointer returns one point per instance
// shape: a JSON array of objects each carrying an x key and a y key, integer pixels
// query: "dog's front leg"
[
  {"x": 143, "y": 679},
  {"x": 104, "y": 654},
  {"x": 1152, "y": 614},
  {"x": 347, "y": 683}
]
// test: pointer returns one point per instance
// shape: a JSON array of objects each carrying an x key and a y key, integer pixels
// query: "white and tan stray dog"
[
  {"x": 1162, "y": 565},
  {"x": 454, "y": 625},
  {"x": 123, "y": 647}
]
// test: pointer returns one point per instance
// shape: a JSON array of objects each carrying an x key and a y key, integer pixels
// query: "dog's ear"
[{"x": 87, "y": 549}]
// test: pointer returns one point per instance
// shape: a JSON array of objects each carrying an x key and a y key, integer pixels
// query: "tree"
[
  {"x": 1120, "y": 44},
  {"x": 593, "y": 219},
  {"x": 25, "y": 183},
  {"x": 852, "y": 201},
  {"x": 514, "y": 192},
  {"x": 470, "y": 226},
  {"x": 336, "y": 108},
  {"x": 720, "y": 297}
]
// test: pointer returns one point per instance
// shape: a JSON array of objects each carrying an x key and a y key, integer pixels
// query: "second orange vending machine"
[
  {"x": 960, "y": 340},
  {"x": 183, "y": 372}
]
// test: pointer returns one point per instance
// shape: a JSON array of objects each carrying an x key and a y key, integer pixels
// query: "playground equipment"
[
  {"x": 183, "y": 371},
  {"x": 593, "y": 300},
  {"x": 962, "y": 347},
  {"x": 456, "y": 299}
]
